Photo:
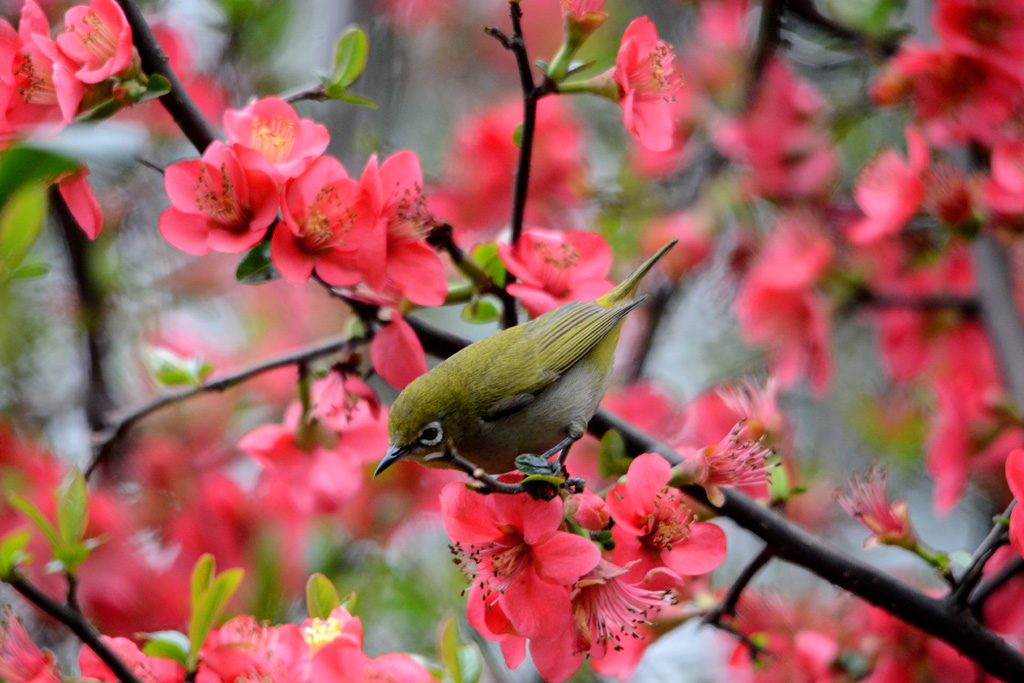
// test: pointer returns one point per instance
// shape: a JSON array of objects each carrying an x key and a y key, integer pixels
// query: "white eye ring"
[{"x": 432, "y": 440}]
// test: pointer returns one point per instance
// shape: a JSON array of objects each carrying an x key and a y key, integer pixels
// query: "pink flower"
[
  {"x": 340, "y": 661},
  {"x": 268, "y": 135},
  {"x": 648, "y": 82},
  {"x": 98, "y": 39},
  {"x": 695, "y": 237},
  {"x": 993, "y": 29},
  {"x": 147, "y": 669},
  {"x": 737, "y": 461},
  {"x": 394, "y": 192},
  {"x": 81, "y": 201},
  {"x": 868, "y": 503},
  {"x": 216, "y": 204},
  {"x": 1004, "y": 189},
  {"x": 1015, "y": 478},
  {"x": 40, "y": 89},
  {"x": 555, "y": 267},
  {"x": 328, "y": 228},
  {"x": 582, "y": 16},
  {"x": 244, "y": 649},
  {"x": 20, "y": 660},
  {"x": 890, "y": 191},
  {"x": 588, "y": 509},
  {"x": 337, "y": 394},
  {"x": 654, "y": 525},
  {"x": 517, "y": 551},
  {"x": 476, "y": 185},
  {"x": 608, "y": 612}
]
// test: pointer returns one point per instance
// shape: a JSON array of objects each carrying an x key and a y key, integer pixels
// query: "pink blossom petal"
[
  {"x": 418, "y": 272},
  {"x": 397, "y": 353},
  {"x": 535, "y": 607},
  {"x": 703, "y": 551},
  {"x": 565, "y": 557},
  {"x": 188, "y": 232},
  {"x": 82, "y": 202},
  {"x": 466, "y": 516}
]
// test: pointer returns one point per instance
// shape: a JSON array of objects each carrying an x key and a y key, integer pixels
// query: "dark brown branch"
[
  {"x": 968, "y": 306},
  {"x": 177, "y": 102},
  {"x": 76, "y": 622},
  {"x": 808, "y": 12},
  {"x": 794, "y": 545},
  {"x": 441, "y": 237},
  {"x": 97, "y": 400},
  {"x": 313, "y": 91},
  {"x": 986, "y": 589},
  {"x": 997, "y": 536},
  {"x": 105, "y": 440}
]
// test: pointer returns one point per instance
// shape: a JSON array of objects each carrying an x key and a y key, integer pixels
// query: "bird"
[{"x": 528, "y": 389}]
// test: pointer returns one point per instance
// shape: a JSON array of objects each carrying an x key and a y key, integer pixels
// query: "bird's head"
[{"x": 416, "y": 426}]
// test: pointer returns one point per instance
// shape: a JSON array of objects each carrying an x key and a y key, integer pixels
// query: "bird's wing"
[{"x": 549, "y": 345}]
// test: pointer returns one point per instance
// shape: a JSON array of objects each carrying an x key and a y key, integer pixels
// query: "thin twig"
[
  {"x": 727, "y": 608},
  {"x": 440, "y": 237},
  {"x": 113, "y": 433},
  {"x": 966, "y": 305},
  {"x": 996, "y": 537},
  {"x": 489, "y": 483},
  {"x": 177, "y": 102},
  {"x": 313, "y": 91},
  {"x": 986, "y": 589},
  {"x": 76, "y": 623},
  {"x": 792, "y": 544}
]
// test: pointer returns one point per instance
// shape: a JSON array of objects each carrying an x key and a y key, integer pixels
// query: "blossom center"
[
  {"x": 669, "y": 521},
  {"x": 95, "y": 35},
  {"x": 34, "y": 86},
  {"x": 500, "y": 562},
  {"x": 555, "y": 267},
  {"x": 273, "y": 138},
  {"x": 321, "y": 632},
  {"x": 215, "y": 196}
]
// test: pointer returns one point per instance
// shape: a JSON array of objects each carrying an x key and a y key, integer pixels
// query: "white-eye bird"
[{"x": 529, "y": 389}]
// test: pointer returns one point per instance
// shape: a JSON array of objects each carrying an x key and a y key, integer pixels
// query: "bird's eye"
[{"x": 431, "y": 434}]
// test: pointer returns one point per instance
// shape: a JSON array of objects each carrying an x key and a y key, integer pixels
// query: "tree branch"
[
  {"x": 792, "y": 544},
  {"x": 1007, "y": 572},
  {"x": 76, "y": 622},
  {"x": 105, "y": 440},
  {"x": 177, "y": 102},
  {"x": 996, "y": 537},
  {"x": 727, "y": 608}
]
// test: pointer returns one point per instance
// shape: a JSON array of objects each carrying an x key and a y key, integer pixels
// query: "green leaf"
[
  {"x": 321, "y": 596},
  {"x": 612, "y": 457},
  {"x": 211, "y": 605},
  {"x": 72, "y": 507},
  {"x": 170, "y": 369},
  {"x": 778, "y": 484},
  {"x": 546, "y": 478},
  {"x": 350, "y": 57},
  {"x": 486, "y": 255},
  {"x": 517, "y": 135},
  {"x": 71, "y": 555},
  {"x": 256, "y": 267},
  {"x": 158, "y": 86},
  {"x": 528, "y": 463},
  {"x": 202, "y": 577},
  {"x": 471, "y": 662},
  {"x": 37, "y": 517},
  {"x": 20, "y": 223},
  {"x": 961, "y": 558},
  {"x": 103, "y": 110},
  {"x": 354, "y": 99},
  {"x": 31, "y": 268},
  {"x": 172, "y": 645},
  {"x": 448, "y": 648},
  {"x": 479, "y": 311},
  {"x": 22, "y": 166},
  {"x": 12, "y": 550}
]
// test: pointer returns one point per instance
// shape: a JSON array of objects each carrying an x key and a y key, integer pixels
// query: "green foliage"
[
  {"x": 67, "y": 538},
  {"x": 24, "y": 166},
  {"x": 256, "y": 267},
  {"x": 21, "y": 219},
  {"x": 461, "y": 662},
  {"x": 12, "y": 551},
  {"x": 172, "y": 645},
  {"x": 612, "y": 457},
  {"x": 210, "y": 595},
  {"x": 321, "y": 596},
  {"x": 167, "y": 367},
  {"x": 349, "y": 62},
  {"x": 480, "y": 310},
  {"x": 486, "y": 256}
]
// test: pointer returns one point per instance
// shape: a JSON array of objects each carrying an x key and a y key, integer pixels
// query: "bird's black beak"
[{"x": 393, "y": 455}]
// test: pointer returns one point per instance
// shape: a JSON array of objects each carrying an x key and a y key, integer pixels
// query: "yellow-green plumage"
[{"x": 521, "y": 390}]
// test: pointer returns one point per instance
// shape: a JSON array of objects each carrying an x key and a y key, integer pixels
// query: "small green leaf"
[
  {"x": 961, "y": 558},
  {"x": 355, "y": 99},
  {"x": 172, "y": 645},
  {"x": 158, "y": 86},
  {"x": 23, "y": 166},
  {"x": 528, "y": 463},
  {"x": 350, "y": 57},
  {"x": 256, "y": 267},
  {"x": 546, "y": 478},
  {"x": 169, "y": 368},
  {"x": 517, "y": 135},
  {"x": 71, "y": 555},
  {"x": 612, "y": 457},
  {"x": 33, "y": 513},
  {"x": 471, "y": 662},
  {"x": 486, "y": 255},
  {"x": 348, "y": 603},
  {"x": 202, "y": 577},
  {"x": 321, "y": 596},
  {"x": 103, "y": 110},
  {"x": 448, "y": 648},
  {"x": 480, "y": 311},
  {"x": 20, "y": 223},
  {"x": 12, "y": 550},
  {"x": 211, "y": 605},
  {"x": 72, "y": 507},
  {"x": 31, "y": 268}
]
